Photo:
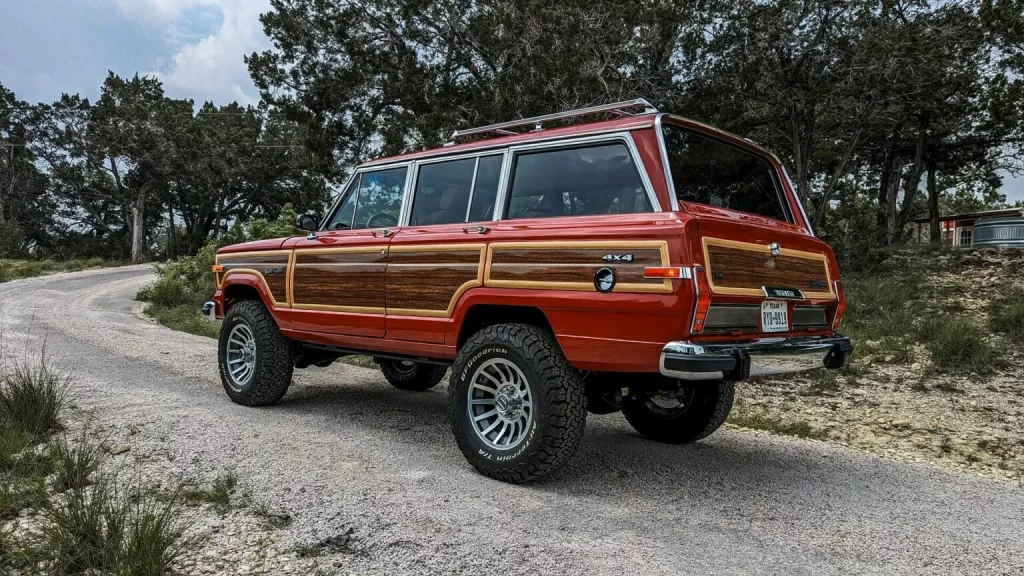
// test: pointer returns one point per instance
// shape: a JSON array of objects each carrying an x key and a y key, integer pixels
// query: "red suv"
[{"x": 643, "y": 264}]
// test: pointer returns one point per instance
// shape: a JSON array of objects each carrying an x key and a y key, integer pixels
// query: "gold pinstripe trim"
[
  {"x": 478, "y": 281},
  {"x": 763, "y": 249},
  {"x": 220, "y": 278},
  {"x": 663, "y": 287}
]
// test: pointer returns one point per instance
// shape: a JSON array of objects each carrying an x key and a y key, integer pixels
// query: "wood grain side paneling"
[
  {"x": 573, "y": 265},
  {"x": 427, "y": 280},
  {"x": 270, "y": 266},
  {"x": 340, "y": 279},
  {"x": 743, "y": 268}
]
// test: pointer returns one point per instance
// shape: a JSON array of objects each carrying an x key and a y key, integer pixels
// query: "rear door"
[
  {"x": 338, "y": 275},
  {"x": 441, "y": 252}
]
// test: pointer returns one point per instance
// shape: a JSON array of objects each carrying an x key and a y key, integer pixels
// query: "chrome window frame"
[
  {"x": 358, "y": 174},
  {"x": 674, "y": 200},
  {"x": 617, "y": 137},
  {"x": 414, "y": 178}
]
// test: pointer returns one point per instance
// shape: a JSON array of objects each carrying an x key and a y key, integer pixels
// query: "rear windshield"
[{"x": 712, "y": 172}]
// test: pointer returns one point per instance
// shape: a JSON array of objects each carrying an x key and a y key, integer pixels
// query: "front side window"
[
  {"x": 709, "y": 171},
  {"x": 591, "y": 180},
  {"x": 374, "y": 200}
]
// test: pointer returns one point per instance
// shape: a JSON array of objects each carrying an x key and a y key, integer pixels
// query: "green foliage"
[
  {"x": 959, "y": 345},
  {"x": 1006, "y": 314},
  {"x": 15, "y": 269},
  {"x": 185, "y": 284}
]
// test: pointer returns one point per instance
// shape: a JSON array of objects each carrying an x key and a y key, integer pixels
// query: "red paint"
[{"x": 611, "y": 332}]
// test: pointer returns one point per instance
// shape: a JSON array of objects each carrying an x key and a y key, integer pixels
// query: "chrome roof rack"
[{"x": 624, "y": 108}]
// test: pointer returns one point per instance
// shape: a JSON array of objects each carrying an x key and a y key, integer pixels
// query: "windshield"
[{"x": 713, "y": 172}]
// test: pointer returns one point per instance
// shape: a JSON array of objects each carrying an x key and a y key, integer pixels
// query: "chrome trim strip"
[
  {"x": 673, "y": 200},
  {"x": 472, "y": 189},
  {"x": 405, "y": 212},
  {"x": 506, "y": 173},
  {"x": 800, "y": 204}
]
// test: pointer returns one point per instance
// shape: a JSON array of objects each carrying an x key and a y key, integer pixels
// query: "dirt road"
[{"x": 345, "y": 450}]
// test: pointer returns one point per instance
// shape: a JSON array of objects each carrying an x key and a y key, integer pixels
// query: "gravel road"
[{"x": 345, "y": 450}]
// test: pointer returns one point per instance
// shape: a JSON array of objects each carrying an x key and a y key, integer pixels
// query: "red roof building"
[{"x": 958, "y": 229}]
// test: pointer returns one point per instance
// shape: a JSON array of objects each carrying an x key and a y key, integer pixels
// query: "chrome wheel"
[
  {"x": 241, "y": 355},
  {"x": 500, "y": 404}
]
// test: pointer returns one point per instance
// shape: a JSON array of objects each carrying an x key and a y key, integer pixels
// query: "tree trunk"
[
  {"x": 890, "y": 202},
  {"x": 171, "y": 232},
  {"x": 934, "y": 234},
  {"x": 139, "y": 227}
]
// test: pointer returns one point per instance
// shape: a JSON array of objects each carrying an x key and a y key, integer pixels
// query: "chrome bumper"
[
  {"x": 209, "y": 311},
  {"x": 762, "y": 357}
]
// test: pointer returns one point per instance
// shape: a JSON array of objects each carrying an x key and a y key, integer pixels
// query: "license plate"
[{"x": 774, "y": 316}]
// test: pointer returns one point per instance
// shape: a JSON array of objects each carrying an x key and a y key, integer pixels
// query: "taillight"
[
  {"x": 665, "y": 273},
  {"x": 840, "y": 305},
  {"x": 700, "y": 311}
]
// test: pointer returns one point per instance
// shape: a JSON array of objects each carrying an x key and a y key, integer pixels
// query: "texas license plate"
[{"x": 774, "y": 316}]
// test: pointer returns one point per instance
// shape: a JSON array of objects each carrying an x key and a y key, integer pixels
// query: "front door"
[{"x": 338, "y": 275}]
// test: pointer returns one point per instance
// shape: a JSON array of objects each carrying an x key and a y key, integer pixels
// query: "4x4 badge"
[{"x": 618, "y": 258}]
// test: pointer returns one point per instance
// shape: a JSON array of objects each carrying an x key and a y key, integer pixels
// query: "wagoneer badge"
[{"x": 604, "y": 280}]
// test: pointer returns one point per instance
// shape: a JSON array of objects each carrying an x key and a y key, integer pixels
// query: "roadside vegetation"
[
  {"x": 15, "y": 269},
  {"x": 182, "y": 286},
  {"x": 935, "y": 376},
  {"x": 62, "y": 511}
]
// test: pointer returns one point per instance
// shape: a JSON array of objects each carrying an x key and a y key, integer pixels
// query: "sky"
[{"x": 195, "y": 47}]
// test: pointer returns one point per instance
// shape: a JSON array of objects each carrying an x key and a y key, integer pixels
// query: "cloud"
[{"x": 209, "y": 39}]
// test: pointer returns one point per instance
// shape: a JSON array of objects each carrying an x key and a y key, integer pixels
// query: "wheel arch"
[
  {"x": 240, "y": 287},
  {"x": 479, "y": 316}
]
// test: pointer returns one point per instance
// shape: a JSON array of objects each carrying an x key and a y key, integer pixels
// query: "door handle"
[
  {"x": 385, "y": 233},
  {"x": 476, "y": 229}
]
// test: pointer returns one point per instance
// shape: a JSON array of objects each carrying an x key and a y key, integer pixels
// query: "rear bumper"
[{"x": 764, "y": 357}]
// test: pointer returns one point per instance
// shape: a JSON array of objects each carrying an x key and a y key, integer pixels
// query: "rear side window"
[
  {"x": 581, "y": 181},
  {"x": 456, "y": 191},
  {"x": 712, "y": 172}
]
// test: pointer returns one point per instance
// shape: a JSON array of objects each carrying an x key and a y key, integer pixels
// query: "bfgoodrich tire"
[
  {"x": 517, "y": 407},
  {"x": 697, "y": 411},
  {"x": 412, "y": 376},
  {"x": 255, "y": 359}
]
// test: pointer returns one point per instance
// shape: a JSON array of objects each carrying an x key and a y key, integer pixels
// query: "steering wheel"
[{"x": 391, "y": 220}]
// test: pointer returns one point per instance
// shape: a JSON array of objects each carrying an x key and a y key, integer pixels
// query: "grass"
[
  {"x": 1006, "y": 315},
  {"x": 86, "y": 520},
  {"x": 763, "y": 422},
  {"x": 15, "y": 269},
  {"x": 220, "y": 494},
  {"x": 959, "y": 345}
]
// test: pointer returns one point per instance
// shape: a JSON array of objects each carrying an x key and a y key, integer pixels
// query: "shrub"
[
  {"x": 182, "y": 286},
  {"x": 957, "y": 344}
]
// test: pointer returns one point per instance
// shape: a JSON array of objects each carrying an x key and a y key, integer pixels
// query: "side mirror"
[{"x": 306, "y": 222}]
